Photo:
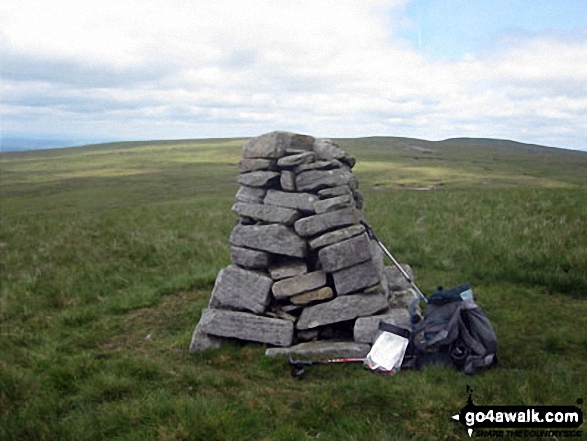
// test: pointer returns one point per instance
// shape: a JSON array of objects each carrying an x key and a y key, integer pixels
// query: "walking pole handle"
[{"x": 371, "y": 235}]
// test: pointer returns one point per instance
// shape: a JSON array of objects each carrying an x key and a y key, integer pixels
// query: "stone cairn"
[{"x": 305, "y": 277}]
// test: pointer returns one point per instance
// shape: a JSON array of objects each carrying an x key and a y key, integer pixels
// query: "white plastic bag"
[{"x": 387, "y": 353}]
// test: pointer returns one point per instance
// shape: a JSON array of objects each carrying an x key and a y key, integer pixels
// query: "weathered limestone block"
[
  {"x": 318, "y": 165},
  {"x": 288, "y": 180},
  {"x": 259, "y": 179},
  {"x": 334, "y": 191},
  {"x": 293, "y": 160},
  {"x": 332, "y": 204},
  {"x": 246, "y": 326},
  {"x": 396, "y": 280},
  {"x": 275, "y": 144},
  {"x": 336, "y": 236},
  {"x": 290, "y": 268},
  {"x": 345, "y": 254},
  {"x": 301, "y": 142},
  {"x": 256, "y": 164},
  {"x": 341, "y": 309},
  {"x": 356, "y": 277},
  {"x": 241, "y": 289},
  {"x": 321, "y": 349},
  {"x": 253, "y": 259},
  {"x": 315, "y": 180},
  {"x": 320, "y": 223},
  {"x": 274, "y": 238},
  {"x": 202, "y": 341},
  {"x": 299, "y": 284},
  {"x": 266, "y": 213},
  {"x": 326, "y": 149},
  {"x": 250, "y": 194},
  {"x": 321, "y": 294},
  {"x": 403, "y": 300},
  {"x": 359, "y": 199},
  {"x": 366, "y": 329},
  {"x": 296, "y": 201},
  {"x": 378, "y": 260}
]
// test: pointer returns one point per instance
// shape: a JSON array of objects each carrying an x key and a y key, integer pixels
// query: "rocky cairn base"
[{"x": 305, "y": 277}]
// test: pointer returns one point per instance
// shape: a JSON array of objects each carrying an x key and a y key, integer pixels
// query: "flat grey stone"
[
  {"x": 250, "y": 194},
  {"x": 291, "y": 151},
  {"x": 275, "y": 144},
  {"x": 259, "y": 178},
  {"x": 318, "y": 165},
  {"x": 293, "y": 160},
  {"x": 324, "y": 293},
  {"x": 202, "y": 341},
  {"x": 332, "y": 204},
  {"x": 378, "y": 261},
  {"x": 296, "y": 285},
  {"x": 246, "y": 326},
  {"x": 296, "y": 201},
  {"x": 254, "y": 164},
  {"x": 356, "y": 277},
  {"x": 242, "y": 289},
  {"x": 345, "y": 254},
  {"x": 288, "y": 180},
  {"x": 341, "y": 309},
  {"x": 266, "y": 213},
  {"x": 301, "y": 142},
  {"x": 274, "y": 238},
  {"x": 395, "y": 280},
  {"x": 349, "y": 160},
  {"x": 320, "y": 223},
  {"x": 403, "y": 300},
  {"x": 249, "y": 258},
  {"x": 334, "y": 191},
  {"x": 315, "y": 180},
  {"x": 327, "y": 150},
  {"x": 366, "y": 329},
  {"x": 336, "y": 236},
  {"x": 269, "y": 145},
  {"x": 320, "y": 349},
  {"x": 289, "y": 268}
]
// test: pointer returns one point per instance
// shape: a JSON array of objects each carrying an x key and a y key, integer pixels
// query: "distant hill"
[
  {"x": 382, "y": 162},
  {"x": 16, "y": 144}
]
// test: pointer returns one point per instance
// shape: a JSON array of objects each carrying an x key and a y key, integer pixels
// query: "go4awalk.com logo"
[{"x": 508, "y": 421}]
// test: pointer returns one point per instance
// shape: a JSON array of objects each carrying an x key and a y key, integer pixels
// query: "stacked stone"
[{"x": 303, "y": 267}]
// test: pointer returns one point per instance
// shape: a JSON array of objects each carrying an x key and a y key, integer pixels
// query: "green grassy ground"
[{"x": 109, "y": 253}]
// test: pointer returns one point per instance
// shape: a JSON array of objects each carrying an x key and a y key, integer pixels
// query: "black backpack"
[{"x": 454, "y": 331}]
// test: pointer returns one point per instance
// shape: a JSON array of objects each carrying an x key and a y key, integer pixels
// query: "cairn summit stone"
[
  {"x": 266, "y": 213},
  {"x": 315, "y": 180},
  {"x": 274, "y": 238},
  {"x": 303, "y": 268},
  {"x": 320, "y": 223},
  {"x": 242, "y": 289},
  {"x": 296, "y": 201},
  {"x": 341, "y": 309},
  {"x": 346, "y": 253},
  {"x": 299, "y": 284},
  {"x": 246, "y": 326},
  {"x": 274, "y": 144}
]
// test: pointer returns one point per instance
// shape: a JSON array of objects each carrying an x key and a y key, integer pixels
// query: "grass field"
[{"x": 108, "y": 253}]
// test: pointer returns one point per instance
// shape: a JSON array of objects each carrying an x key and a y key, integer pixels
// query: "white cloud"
[{"x": 233, "y": 68}]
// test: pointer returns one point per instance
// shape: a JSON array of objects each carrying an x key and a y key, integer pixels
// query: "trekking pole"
[
  {"x": 371, "y": 234},
  {"x": 298, "y": 370}
]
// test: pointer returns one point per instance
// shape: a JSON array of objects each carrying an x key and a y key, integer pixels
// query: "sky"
[{"x": 174, "y": 69}]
